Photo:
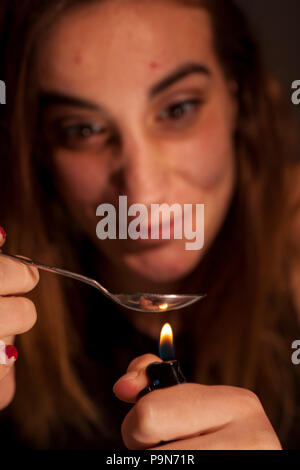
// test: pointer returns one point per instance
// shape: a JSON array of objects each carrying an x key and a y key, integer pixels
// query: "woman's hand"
[
  {"x": 191, "y": 416},
  {"x": 17, "y": 314}
]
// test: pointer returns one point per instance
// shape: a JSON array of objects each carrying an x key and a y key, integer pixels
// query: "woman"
[{"x": 164, "y": 102}]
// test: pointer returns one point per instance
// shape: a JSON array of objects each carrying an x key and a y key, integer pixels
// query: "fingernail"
[
  {"x": 2, "y": 234},
  {"x": 129, "y": 376},
  {"x": 8, "y": 353}
]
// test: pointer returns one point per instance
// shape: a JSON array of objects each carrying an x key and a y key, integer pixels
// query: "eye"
[
  {"x": 179, "y": 110},
  {"x": 80, "y": 130},
  {"x": 78, "y": 135}
]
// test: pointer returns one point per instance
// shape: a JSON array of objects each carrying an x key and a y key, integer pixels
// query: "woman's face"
[{"x": 137, "y": 104}]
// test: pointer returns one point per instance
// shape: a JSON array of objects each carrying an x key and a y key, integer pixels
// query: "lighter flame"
[
  {"x": 166, "y": 334},
  {"x": 163, "y": 306}
]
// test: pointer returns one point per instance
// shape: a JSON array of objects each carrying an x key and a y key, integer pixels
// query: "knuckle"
[
  {"x": 242, "y": 402},
  {"x": 251, "y": 399},
  {"x": 126, "y": 437},
  {"x": 248, "y": 402},
  {"x": 263, "y": 439},
  {"x": 146, "y": 420},
  {"x": 138, "y": 428}
]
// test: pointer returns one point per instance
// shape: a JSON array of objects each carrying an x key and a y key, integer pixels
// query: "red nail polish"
[
  {"x": 2, "y": 233},
  {"x": 11, "y": 351},
  {"x": 8, "y": 353}
]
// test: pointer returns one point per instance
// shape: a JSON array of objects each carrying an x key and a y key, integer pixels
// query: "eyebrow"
[
  {"x": 178, "y": 74},
  {"x": 48, "y": 98},
  {"x": 57, "y": 98}
]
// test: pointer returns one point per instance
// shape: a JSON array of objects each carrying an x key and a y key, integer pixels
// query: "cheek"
[
  {"x": 208, "y": 157},
  {"x": 81, "y": 178}
]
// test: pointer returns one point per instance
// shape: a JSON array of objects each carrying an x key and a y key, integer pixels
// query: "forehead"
[{"x": 102, "y": 42}]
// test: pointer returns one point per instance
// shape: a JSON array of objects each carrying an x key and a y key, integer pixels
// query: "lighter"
[{"x": 166, "y": 373}]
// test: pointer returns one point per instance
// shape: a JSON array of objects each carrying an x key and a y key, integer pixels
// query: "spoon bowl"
[
  {"x": 156, "y": 302},
  {"x": 141, "y": 302}
]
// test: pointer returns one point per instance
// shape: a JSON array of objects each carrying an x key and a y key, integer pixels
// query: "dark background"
[{"x": 277, "y": 25}]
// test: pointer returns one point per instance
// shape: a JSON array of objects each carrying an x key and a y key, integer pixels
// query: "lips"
[{"x": 158, "y": 230}]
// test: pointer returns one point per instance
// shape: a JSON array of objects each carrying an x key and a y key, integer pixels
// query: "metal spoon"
[{"x": 142, "y": 302}]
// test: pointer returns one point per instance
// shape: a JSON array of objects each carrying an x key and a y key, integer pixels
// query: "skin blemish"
[
  {"x": 78, "y": 58},
  {"x": 154, "y": 65}
]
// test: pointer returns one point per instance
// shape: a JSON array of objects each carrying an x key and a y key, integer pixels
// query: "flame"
[
  {"x": 163, "y": 307},
  {"x": 166, "y": 334},
  {"x": 166, "y": 342}
]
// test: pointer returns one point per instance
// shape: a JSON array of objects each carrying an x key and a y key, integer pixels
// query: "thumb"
[{"x": 129, "y": 385}]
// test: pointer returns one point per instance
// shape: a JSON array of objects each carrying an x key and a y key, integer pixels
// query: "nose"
[{"x": 144, "y": 170}]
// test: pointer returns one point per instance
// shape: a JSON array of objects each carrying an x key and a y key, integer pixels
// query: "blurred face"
[{"x": 137, "y": 104}]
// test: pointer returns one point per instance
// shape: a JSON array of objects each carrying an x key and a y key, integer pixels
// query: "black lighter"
[
  {"x": 163, "y": 374},
  {"x": 167, "y": 373}
]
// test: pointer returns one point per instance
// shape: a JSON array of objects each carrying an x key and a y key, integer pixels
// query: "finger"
[
  {"x": 129, "y": 385},
  {"x": 17, "y": 315},
  {"x": 16, "y": 277},
  {"x": 249, "y": 435},
  {"x": 2, "y": 236},
  {"x": 7, "y": 388},
  {"x": 223, "y": 439},
  {"x": 183, "y": 410}
]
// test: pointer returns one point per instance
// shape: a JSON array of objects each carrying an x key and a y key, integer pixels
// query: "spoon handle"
[{"x": 62, "y": 272}]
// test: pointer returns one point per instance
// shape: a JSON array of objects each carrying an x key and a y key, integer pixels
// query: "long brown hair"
[{"x": 242, "y": 336}]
